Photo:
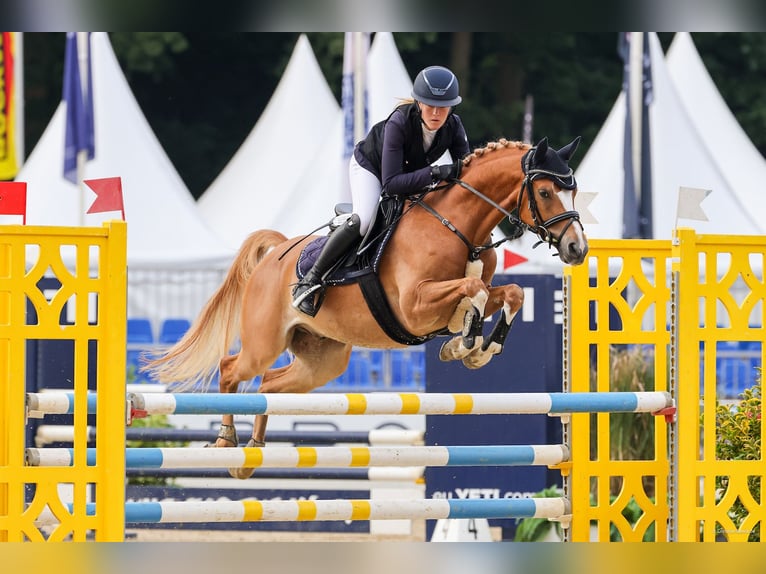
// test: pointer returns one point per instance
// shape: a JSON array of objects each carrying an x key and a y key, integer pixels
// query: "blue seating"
[
  {"x": 134, "y": 361},
  {"x": 140, "y": 331},
  {"x": 380, "y": 370},
  {"x": 752, "y": 346},
  {"x": 140, "y": 339},
  {"x": 365, "y": 372},
  {"x": 408, "y": 369},
  {"x": 351, "y": 377},
  {"x": 172, "y": 330},
  {"x": 374, "y": 361},
  {"x": 736, "y": 367},
  {"x": 341, "y": 383}
]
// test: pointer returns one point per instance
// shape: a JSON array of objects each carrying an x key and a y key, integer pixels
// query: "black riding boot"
[{"x": 306, "y": 291}]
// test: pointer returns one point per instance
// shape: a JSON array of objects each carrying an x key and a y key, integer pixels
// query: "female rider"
[{"x": 396, "y": 158}]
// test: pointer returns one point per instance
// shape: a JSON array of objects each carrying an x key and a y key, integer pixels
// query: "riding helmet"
[{"x": 436, "y": 86}]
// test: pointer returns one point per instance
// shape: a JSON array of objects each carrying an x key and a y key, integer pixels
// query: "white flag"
[
  {"x": 689, "y": 200},
  {"x": 584, "y": 199}
]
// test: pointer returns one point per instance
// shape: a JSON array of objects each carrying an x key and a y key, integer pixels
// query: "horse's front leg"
[
  {"x": 511, "y": 297},
  {"x": 469, "y": 313},
  {"x": 467, "y": 318}
]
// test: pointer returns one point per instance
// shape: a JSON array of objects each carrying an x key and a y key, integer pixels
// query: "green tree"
[
  {"x": 737, "y": 63},
  {"x": 202, "y": 92},
  {"x": 739, "y": 438}
]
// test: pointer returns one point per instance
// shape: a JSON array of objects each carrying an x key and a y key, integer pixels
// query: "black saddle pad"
[{"x": 309, "y": 255}]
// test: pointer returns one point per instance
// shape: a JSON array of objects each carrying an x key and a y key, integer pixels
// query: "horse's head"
[{"x": 550, "y": 189}]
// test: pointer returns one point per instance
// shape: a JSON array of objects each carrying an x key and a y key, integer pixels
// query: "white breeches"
[{"x": 365, "y": 193}]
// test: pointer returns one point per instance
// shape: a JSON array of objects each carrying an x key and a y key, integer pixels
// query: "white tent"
[
  {"x": 387, "y": 78},
  {"x": 258, "y": 188},
  {"x": 310, "y": 202},
  {"x": 164, "y": 228},
  {"x": 717, "y": 126},
  {"x": 266, "y": 186},
  {"x": 696, "y": 142},
  {"x": 681, "y": 157},
  {"x": 167, "y": 239}
]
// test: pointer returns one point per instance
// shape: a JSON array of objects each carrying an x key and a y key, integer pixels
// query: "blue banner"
[
  {"x": 354, "y": 90},
  {"x": 79, "y": 133}
]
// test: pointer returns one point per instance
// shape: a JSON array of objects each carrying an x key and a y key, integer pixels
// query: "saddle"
[{"x": 360, "y": 265}]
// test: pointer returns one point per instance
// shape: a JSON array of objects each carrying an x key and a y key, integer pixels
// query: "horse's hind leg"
[
  {"x": 231, "y": 374},
  {"x": 234, "y": 369},
  {"x": 227, "y": 435},
  {"x": 316, "y": 361}
]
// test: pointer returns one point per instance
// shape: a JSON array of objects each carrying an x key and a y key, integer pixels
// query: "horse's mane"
[{"x": 502, "y": 143}]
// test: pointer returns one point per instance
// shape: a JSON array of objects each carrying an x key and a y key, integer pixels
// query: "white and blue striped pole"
[
  {"x": 369, "y": 404},
  {"x": 320, "y": 457},
  {"x": 317, "y": 510}
]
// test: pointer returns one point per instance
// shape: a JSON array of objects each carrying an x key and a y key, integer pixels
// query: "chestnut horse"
[{"x": 435, "y": 272}]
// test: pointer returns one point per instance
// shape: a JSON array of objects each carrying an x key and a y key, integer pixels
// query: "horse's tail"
[{"x": 195, "y": 357}]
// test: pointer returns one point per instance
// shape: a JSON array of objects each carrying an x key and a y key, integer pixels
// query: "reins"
[
  {"x": 518, "y": 225},
  {"x": 474, "y": 251}
]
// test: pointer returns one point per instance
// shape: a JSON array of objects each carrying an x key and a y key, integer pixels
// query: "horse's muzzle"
[{"x": 573, "y": 251}]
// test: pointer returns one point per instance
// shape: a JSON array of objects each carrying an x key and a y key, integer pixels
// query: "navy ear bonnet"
[{"x": 544, "y": 161}]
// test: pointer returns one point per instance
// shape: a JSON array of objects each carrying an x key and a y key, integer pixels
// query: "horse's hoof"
[
  {"x": 473, "y": 344},
  {"x": 444, "y": 354},
  {"x": 492, "y": 347},
  {"x": 477, "y": 360},
  {"x": 243, "y": 473},
  {"x": 447, "y": 352},
  {"x": 228, "y": 434}
]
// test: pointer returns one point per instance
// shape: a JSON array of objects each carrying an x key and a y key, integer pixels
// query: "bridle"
[
  {"x": 518, "y": 227},
  {"x": 564, "y": 181}
]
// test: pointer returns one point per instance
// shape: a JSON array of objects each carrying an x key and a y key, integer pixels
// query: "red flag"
[
  {"x": 108, "y": 195},
  {"x": 510, "y": 259},
  {"x": 13, "y": 199}
]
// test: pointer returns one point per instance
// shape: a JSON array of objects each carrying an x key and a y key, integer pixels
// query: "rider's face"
[{"x": 433, "y": 116}]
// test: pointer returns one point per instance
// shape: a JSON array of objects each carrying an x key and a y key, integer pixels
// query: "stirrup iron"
[{"x": 310, "y": 291}]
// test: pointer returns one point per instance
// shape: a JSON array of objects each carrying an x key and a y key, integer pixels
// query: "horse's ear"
[
  {"x": 541, "y": 149},
  {"x": 566, "y": 152}
]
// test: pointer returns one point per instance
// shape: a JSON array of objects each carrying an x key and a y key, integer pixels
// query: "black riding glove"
[{"x": 446, "y": 172}]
